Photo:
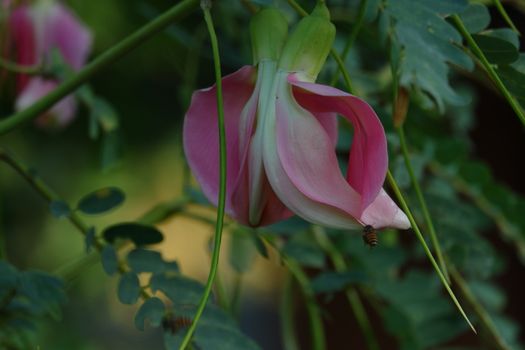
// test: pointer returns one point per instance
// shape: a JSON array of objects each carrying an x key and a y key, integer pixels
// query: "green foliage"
[
  {"x": 243, "y": 250},
  {"x": 142, "y": 260},
  {"x": 152, "y": 309},
  {"x": 429, "y": 44},
  {"x": 139, "y": 234},
  {"x": 328, "y": 282},
  {"x": 26, "y": 297},
  {"x": 101, "y": 201},
  {"x": 497, "y": 51},
  {"x": 109, "y": 259},
  {"x": 128, "y": 288}
]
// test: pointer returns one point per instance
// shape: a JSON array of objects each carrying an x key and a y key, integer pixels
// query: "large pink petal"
[
  {"x": 59, "y": 115},
  {"x": 383, "y": 212},
  {"x": 368, "y": 156},
  {"x": 61, "y": 29},
  {"x": 201, "y": 137},
  {"x": 302, "y": 168},
  {"x": 22, "y": 34}
]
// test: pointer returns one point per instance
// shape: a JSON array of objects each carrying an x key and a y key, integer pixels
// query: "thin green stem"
[
  {"x": 489, "y": 68},
  {"x": 236, "y": 294},
  {"x": 222, "y": 177},
  {"x": 351, "y": 38},
  {"x": 478, "y": 309},
  {"x": 40, "y": 186},
  {"x": 175, "y": 13},
  {"x": 314, "y": 314},
  {"x": 289, "y": 338},
  {"x": 295, "y": 5},
  {"x": 505, "y": 16},
  {"x": 343, "y": 70},
  {"x": 20, "y": 69},
  {"x": 423, "y": 204},
  {"x": 340, "y": 265},
  {"x": 435, "y": 265}
]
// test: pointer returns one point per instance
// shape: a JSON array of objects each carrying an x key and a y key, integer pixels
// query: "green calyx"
[
  {"x": 268, "y": 30},
  {"x": 309, "y": 44}
]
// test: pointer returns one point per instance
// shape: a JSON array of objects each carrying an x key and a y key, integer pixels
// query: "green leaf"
[
  {"x": 128, "y": 288},
  {"x": 181, "y": 290},
  {"x": 44, "y": 292},
  {"x": 152, "y": 309},
  {"x": 514, "y": 80},
  {"x": 497, "y": 51},
  {"x": 242, "y": 251},
  {"x": 429, "y": 43},
  {"x": 305, "y": 251},
  {"x": 505, "y": 34},
  {"x": 475, "y": 17},
  {"x": 109, "y": 259},
  {"x": 59, "y": 209},
  {"x": 138, "y": 233},
  {"x": 142, "y": 260},
  {"x": 220, "y": 337},
  {"x": 101, "y": 201},
  {"x": 328, "y": 282}
]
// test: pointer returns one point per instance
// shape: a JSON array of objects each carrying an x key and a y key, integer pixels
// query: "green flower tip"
[
  {"x": 309, "y": 45},
  {"x": 268, "y": 30}
]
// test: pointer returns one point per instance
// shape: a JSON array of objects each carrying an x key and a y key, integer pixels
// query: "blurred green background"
[{"x": 150, "y": 89}]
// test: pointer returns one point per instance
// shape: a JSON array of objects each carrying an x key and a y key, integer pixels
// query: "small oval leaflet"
[
  {"x": 129, "y": 288},
  {"x": 138, "y": 233},
  {"x": 152, "y": 309},
  {"x": 101, "y": 201}
]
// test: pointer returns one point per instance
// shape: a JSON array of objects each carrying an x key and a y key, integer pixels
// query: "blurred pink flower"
[
  {"x": 35, "y": 31},
  {"x": 281, "y": 136}
]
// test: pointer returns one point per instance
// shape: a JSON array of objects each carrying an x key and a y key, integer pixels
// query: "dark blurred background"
[{"x": 150, "y": 90}]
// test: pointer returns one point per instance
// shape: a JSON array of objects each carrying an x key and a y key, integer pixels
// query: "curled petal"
[
  {"x": 383, "y": 212},
  {"x": 368, "y": 156},
  {"x": 59, "y": 115},
  {"x": 302, "y": 168}
]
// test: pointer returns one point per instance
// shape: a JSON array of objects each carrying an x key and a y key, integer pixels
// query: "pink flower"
[
  {"x": 281, "y": 131},
  {"x": 35, "y": 32}
]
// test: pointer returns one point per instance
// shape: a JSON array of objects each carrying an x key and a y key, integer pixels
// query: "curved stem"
[
  {"x": 314, "y": 314},
  {"x": 288, "y": 336},
  {"x": 407, "y": 211},
  {"x": 489, "y": 68},
  {"x": 41, "y": 187},
  {"x": 104, "y": 60},
  {"x": 482, "y": 314},
  {"x": 423, "y": 204},
  {"x": 222, "y": 177},
  {"x": 505, "y": 16},
  {"x": 351, "y": 294},
  {"x": 343, "y": 70},
  {"x": 351, "y": 38}
]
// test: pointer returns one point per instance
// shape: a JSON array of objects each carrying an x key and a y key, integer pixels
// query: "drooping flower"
[
  {"x": 35, "y": 32},
  {"x": 281, "y": 131}
]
